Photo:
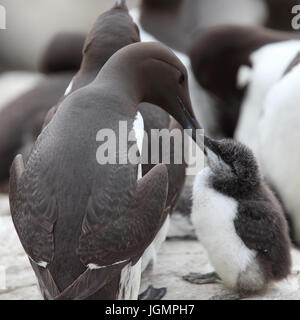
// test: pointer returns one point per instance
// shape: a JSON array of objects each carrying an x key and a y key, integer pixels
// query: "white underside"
[
  {"x": 213, "y": 216},
  {"x": 131, "y": 275},
  {"x": 269, "y": 64},
  {"x": 279, "y": 136},
  {"x": 69, "y": 89},
  {"x": 138, "y": 127},
  {"x": 130, "y": 282},
  {"x": 150, "y": 255}
]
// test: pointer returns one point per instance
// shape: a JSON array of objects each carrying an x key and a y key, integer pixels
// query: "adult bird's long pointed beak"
[{"x": 190, "y": 122}]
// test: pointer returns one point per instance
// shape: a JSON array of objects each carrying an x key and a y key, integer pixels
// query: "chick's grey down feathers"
[{"x": 260, "y": 221}]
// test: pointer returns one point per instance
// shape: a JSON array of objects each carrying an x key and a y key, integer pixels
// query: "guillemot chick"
[
  {"x": 269, "y": 64},
  {"x": 86, "y": 233},
  {"x": 112, "y": 31},
  {"x": 239, "y": 222}
]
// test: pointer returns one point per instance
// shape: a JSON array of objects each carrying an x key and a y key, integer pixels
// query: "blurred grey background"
[{"x": 31, "y": 23}]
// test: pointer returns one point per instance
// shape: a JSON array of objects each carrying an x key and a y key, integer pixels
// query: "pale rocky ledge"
[{"x": 175, "y": 259}]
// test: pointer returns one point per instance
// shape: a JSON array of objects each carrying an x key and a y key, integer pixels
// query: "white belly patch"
[
  {"x": 213, "y": 216},
  {"x": 130, "y": 282}
]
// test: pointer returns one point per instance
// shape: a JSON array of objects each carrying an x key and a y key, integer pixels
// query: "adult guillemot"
[
  {"x": 113, "y": 30},
  {"x": 217, "y": 54},
  {"x": 239, "y": 222},
  {"x": 86, "y": 233},
  {"x": 269, "y": 63}
]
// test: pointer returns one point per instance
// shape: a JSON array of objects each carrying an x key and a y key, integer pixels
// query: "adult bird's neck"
[{"x": 124, "y": 83}]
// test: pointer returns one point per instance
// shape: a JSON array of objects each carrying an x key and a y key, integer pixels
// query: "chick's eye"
[{"x": 181, "y": 79}]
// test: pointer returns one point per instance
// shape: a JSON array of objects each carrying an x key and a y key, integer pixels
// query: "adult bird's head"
[
  {"x": 113, "y": 30},
  {"x": 166, "y": 83},
  {"x": 151, "y": 72}
]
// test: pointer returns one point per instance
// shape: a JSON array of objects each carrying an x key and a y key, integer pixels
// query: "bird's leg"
[
  {"x": 198, "y": 278},
  {"x": 153, "y": 294}
]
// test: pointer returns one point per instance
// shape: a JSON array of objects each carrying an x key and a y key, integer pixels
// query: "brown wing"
[
  {"x": 126, "y": 238},
  {"x": 33, "y": 210}
]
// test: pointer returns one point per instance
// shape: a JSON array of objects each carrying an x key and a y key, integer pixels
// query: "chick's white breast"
[{"x": 213, "y": 216}]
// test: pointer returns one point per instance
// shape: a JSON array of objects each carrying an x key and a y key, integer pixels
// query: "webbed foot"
[
  {"x": 198, "y": 278},
  {"x": 152, "y": 293}
]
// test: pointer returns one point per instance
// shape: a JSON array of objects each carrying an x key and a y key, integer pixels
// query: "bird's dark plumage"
[{"x": 74, "y": 215}]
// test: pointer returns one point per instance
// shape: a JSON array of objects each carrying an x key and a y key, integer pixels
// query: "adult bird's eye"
[{"x": 181, "y": 79}]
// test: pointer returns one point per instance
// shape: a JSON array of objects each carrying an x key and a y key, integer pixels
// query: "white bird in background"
[
  {"x": 279, "y": 136},
  {"x": 268, "y": 66}
]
